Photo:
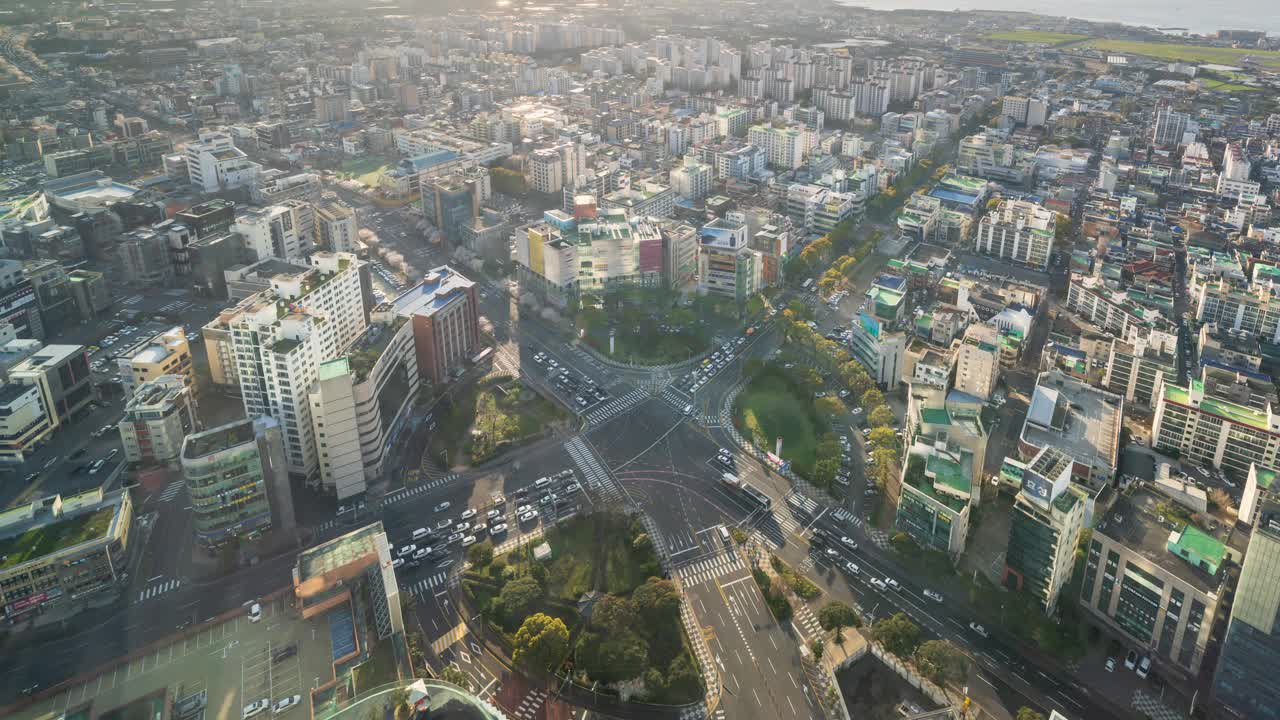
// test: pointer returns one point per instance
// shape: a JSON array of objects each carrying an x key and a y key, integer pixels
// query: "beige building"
[
  {"x": 336, "y": 227},
  {"x": 977, "y": 358},
  {"x": 165, "y": 354}
]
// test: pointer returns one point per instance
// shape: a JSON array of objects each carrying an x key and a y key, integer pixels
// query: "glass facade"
[{"x": 228, "y": 494}]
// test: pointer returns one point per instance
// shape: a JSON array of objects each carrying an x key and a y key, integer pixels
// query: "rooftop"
[
  {"x": 218, "y": 439},
  {"x": 1193, "y": 396},
  {"x": 439, "y": 288},
  {"x": 339, "y": 552},
  {"x": 55, "y": 523},
  {"x": 1167, "y": 536},
  {"x": 1080, "y": 420}
]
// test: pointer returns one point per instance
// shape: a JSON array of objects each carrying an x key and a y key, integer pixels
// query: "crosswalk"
[
  {"x": 711, "y": 568},
  {"x": 435, "y": 580},
  {"x": 675, "y": 398},
  {"x": 598, "y": 477},
  {"x": 615, "y": 406},
  {"x": 420, "y": 488},
  {"x": 170, "y": 491},
  {"x": 805, "y": 619},
  {"x": 701, "y": 650},
  {"x": 531, "y": 704},
  {"x": 159, "y": 589}
]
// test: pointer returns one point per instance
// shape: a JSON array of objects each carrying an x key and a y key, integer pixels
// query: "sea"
[{"x": 1202, "y": 16}]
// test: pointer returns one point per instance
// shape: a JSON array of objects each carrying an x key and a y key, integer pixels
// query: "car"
[
  {"x": 842, "y": 479},
  {"x": 421, "y": 553},
  {"x": 548, "y": 498},
  {"x": 453, "y": 538},
  {"x": 524, "y": 509},
  {"x": 468, "y": 541},
  {"x": 978, "y": 629},
  {"x": 468, "y": 514},
  {"x": 848, "y": 542},
  {"x": 406, "y": 550},
  {"x": 284, "y": 653},
  {"x": 421, "y": 533},
  {"x": 1131, "y": 660},
  {"x": 255, "y": 707},
  {"x": 462, "y": 527},
  {"x": 1144, "y": 667},
  {"x": 832, "y": 553},
  {"x": 443, "y": 506},
  {"x": 493, "y": 514},
  {"x": 851, "y": 568},
  {"x": 933, "y": 595},
  {"x": 527, "y": 517},
  {"x": 398, "y": 562},
  {"x": 564, "y": 474},
  {"x": 542, "y": 482},
  {"x": 1111, "y": 664},
  {"x": 893, "y": 584},
  {"x": 444, "y": 524},
  {"x": 572, "y": 489},
  {"x": 498, "y": 529},
  {"x": 878, "y": 584},
  {"x": 255, "y": 612}
]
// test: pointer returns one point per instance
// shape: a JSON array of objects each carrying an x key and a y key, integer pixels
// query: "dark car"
[{"x": 284, "y": 653}]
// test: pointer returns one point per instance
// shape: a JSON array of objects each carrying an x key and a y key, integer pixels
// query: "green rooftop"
[
  {"x": 949, "y": 474},
  {"x": 1198, "y": 548},
  {"x": 52, "y": 537},
  {"x": 935, "y": 416},
  {"x": 1266, "y": 478},
  {"x": 338, "y": 367}
]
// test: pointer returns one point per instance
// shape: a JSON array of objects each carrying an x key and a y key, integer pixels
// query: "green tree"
[
  {"x": 1026, "y": 713},
  {"x": 1062, "y": 227},
  {"x": 617, "y": 655},
  {"x": 507, "y": 181},
  {"x": 897, "y": 634},
  {"x": 657, "y": 601},
  {"x": 828, "y": 406},
  {"x": 835, "y": 616},
  {"x": 684, "y": 682},
  {"x": 541, "y": 642},
  {"x": 882, "y": 436},
  {"x": 481, "y": 554},
  {"x": 518, "y": 598},
  {"x": 942, "y": 662},
  {"x": 881, "y": 416},
  {"x": 454, "y": 674},
  {"x": 872, "y": 399}
]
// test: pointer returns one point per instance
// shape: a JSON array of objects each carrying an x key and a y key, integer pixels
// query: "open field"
[
  {"x": 1188, "y": 53},
  {"x": 1226, "y": 87},
  {"x": 1035, "y": 36},
  {"x": 771, "y": 406},
  {"x": 366, "y": 168}
]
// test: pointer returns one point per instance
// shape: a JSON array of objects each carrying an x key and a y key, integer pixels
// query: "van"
[
  {"x": 255, "y": 612},
  {"x": 542, "y": 482},
  {"x": 724, "y": 534},
  {"x": 688, "y": 409},
  {"x": 420, "y": 533}
]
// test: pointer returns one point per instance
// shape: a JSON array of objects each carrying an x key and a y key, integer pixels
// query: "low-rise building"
[
  {"x": 60, "y": 550},
  {"x": 24, "y": 421},
  {"x": 937, "y": 487},
  {"x": 879, "y": 348},
  {"x": 168, "y": 353},
  {"x": 158, "y": 417},
  {"x": 1078, "y": 419},
  {"x": 61, "y": 372}
]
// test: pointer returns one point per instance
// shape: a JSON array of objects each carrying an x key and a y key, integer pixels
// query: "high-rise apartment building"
[
  {"x": 238, "y": 481},
  {"x": 784, "y": 147},
  {"x": 692, "y": 180},
  {"x": 1200, "y": 423},
  {"x": 1169, "y": 128},
  {"x": 1019, "y": 231},
  {"x": 1245, "y": 686}
]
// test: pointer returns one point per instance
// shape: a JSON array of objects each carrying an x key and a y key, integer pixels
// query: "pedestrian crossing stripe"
[
  {"x": 714, "y": 567},
  {"x": 171, "y": 491},
  {"x": 158, "y": 589},
  {"x": 398, "y": 495},
  {"x": 530, "y": 704},
  {"x": 615, "y": 406},
  {"x": 598, "y": 478},
  {"x": 434, "y": 581}
]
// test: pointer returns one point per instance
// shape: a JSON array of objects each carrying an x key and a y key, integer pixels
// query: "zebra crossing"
[
  {"x": 131, "y": 300},
  {"x": 531, "y": 704},
  {"x": 711, "y": 568},
  {"x": 439, "y": 579},
  {"x": 409, "y": 492},
  {"x": 808, "y": 624},
  {"x": 615, "y": 406},
  {"x": 701, "y": 650},
  {"x": 598, "y": 477},
  {"x": 787, "y": 524},
  {"x": 159, "y": 589},
  {"x": 170, "y": 491}
]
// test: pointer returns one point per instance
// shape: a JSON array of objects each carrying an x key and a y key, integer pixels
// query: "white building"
[
  {"x": 336, "y": 227},
  {"x": 978, "y": 361},
  {"x": 214, "y": 163},
  {"x": 692, "y": 180},
  {"x": 279, "y": 231},
  {"x": 1020, "y": 231},
  {"x": 784, "y": 147},
  {"x": 726, "y": 265}
]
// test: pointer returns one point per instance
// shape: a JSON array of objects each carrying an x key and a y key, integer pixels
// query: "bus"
[
  {"x": 755, "y": 497},
  {"x": 808, "y": 283}
]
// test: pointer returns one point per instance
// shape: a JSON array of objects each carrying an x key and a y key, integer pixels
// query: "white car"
[
  {"x": 848, "y": 542},
  {"x": 442, "y": 506},
  {"x": 255, "y": 613},
  {"x": 878, "y": 584},
  {"x": 468, "y": 514},
  {"x": 462, "y": 527},
  {"x": 397, "y": 563},
  {"x": 286, "y": 703},
  {"x": 406, "y": 550},
  {"x": 893, "y": 584},
  {"x": 493, "y": 514},
  {"x": 528, "y": 517},
  {"x": 255, "y": 707},
  {"x": 978, "y": 629},
  {"x": 851, "y": 568},
  {"x": 523, "y": 509},
  {"x": 468, "y": 541},
  {"x": 421, "y": 553},
  {"x": 498, "y": 529}
]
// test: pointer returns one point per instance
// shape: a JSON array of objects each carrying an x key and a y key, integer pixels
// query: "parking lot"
[{"x": 236, "y": 662}]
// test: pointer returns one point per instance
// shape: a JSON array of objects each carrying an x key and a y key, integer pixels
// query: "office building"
[
  {"x": 24, "y": 421},
  {"x": 727, "y": 265},
  {"x": 281, "y": 336},
  {"x": 86, "y": 552},
  {"x": 212, "y": 217},
  {"x": 1078, "y": 419},
  {"x": 1019, "y": 231},
  {"x": 1155, "y": 581},
  {"x": 144, "y": 255},
  {"x": 214, "y": 163},
  {"x": 977, "y": 359},
  {"x": 168, "y": 353},
  {"x": 1244, "y": 686},
  {"x": 160, "y": 414},
  {"x": 283, "y": 231},
  {"x": 1048, "y": 514},
  {"x": 336, "y": 227},
  {"x": 18, "y": 305},
  {"x": 450, "y": 202},
  {"x": 936, "y": 490},
  {"x": 61, "y": 372},
  {"x": 641, "y": 200},
  {"x": 90, "y": 292},
  {"x": 237, "y": 481},
  {"x": 880, "y": 348},
  {"x": 445, "y": 316}
]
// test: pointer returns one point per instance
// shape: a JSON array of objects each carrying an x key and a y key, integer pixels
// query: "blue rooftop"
[{"x": 953, "y": 196}]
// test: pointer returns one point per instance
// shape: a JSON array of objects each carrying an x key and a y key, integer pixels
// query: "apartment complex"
[
  {"x": 1019, "y": 231},
  {"x": 444, "y": 314},
  {"x": 158, "y": 417},
  {"x": 1048, "y": 514},
  {"x": 1205, "y": 422},
  {"x": 785, "y": 148},
  {"x": 238, "y": 481}
]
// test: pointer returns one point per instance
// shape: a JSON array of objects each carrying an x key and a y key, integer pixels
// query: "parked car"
[
  {"x": 933, "y": 595},
  {"x": 1131, "y": 660},
  {"x": 255, "y": 707},
  {"x": 285, "y": 653},
  {"x": 255, "y": 612},
  {"x": 1144, "y": 667},
  {"x": 978, "y": 629},
  {"x": 1111, "y": 664},
  {"x": 442, "y": 506}
]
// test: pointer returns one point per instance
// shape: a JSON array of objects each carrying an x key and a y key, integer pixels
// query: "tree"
[
  {"x": 817, "y": 648},
  {"x": 541, "y": 642},
  {"x": 872, "y": 399},
  {"x": 480, "y": 555},
  {"x": 835, "y": 616},
  {"x": 828, "y": 406},
  {"x": 518, "y": 598},
  {"x": 882, "y": 437},
  {"x": 1062, "y": 227},
  {"x": 881, "y": 416},
  {"x": 613, "y": 656},
  {"x": 684, "y": 682},
  {"x": 454, "y": 674},
  {"x": 1026, "y": 713},
  {"x": 942, "y": 662},
  {"x": 657, "y": 601},
  {"x": 507, "y": 181},
  {"x": 897, "y": 634}
]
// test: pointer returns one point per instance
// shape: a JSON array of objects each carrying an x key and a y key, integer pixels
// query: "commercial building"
[
  {"x": 284, "y": 231},
  {"x": 727, "y": 265},
  {"x": 1244, "y": 686},
  {"x": 61, "y": 372},
  {"x": 90, "y": 292},
  {"x": 1155, "y": 580},
  {"x": 1048, "y": 514},
  {"x": 59, "y": 551},
  {"x": 1078, "y": 419},
  {"x": 168, "y": 353},
  {"x": 680, "y": 254},
  {"x": 24, "y": 421},
  {"x": 238, "y": 481},
  {"x": 281, "y": 336},
  {"x": 359, "y": 400},
  {"x": 157, "y": 418},
  {"x": 937, "y": 489},
  {"x": 641, "y": 200},
  {"x": 211, "y": 217},
  {"x": 18, "y": 305},
  {"x": 450, "y": 202},
  {"x": 444, "y": 313},
  {"x": 984, "y": 156},
  {"x": 144, "y": 255},
  {"x": 879, "y": 348},
  {"x": 357, "y": 564},
  {"x": 214, "y": 163},
  {"x": 977, "y": 358},
  {"x": 1019, "y": 231},
  {"x": 590, "y": 250},
  {"x": 818, "y": 210},
  {"x": 1207, "y": 423}
]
